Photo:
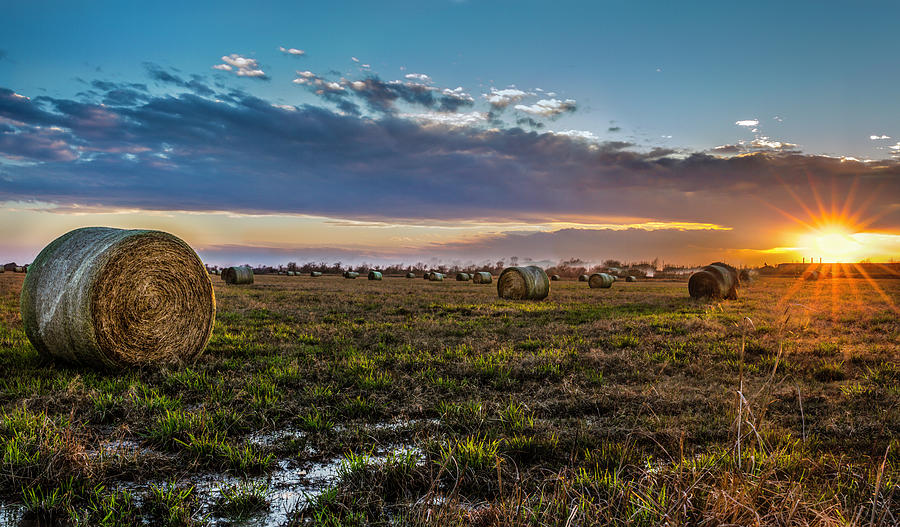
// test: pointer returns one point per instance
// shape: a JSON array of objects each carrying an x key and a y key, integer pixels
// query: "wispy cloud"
[
  {"x": 548, "y": 107},
  {"x": 500, "y": 99},
  {"x": 748, "y": 123},
  {"x": 292, "y": 51},
  {"x": 241, "y": 66}
]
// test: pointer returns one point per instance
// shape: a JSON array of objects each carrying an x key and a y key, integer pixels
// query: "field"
[{"x": 352, "y": 402}]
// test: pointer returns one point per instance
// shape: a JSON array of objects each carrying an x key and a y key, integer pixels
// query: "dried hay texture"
[
  {"x": 113, "y": 298},
  {"x": 463, "y": 277},
  {"x": 523, "y": 283},
  {"x": 717, "y": 280},
  {"x": 375, "y": 275},
  {"x": 350, "y": 274},
  {"x": 601, "y": 280},
  {"x": 482, "y": 277},
  {"x": 315, "y": 274},
  {"x": 238, "y": 275},
  {"x": 436, "y": 277}
]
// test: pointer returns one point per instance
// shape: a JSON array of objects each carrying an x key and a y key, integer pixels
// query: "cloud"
[
  {"x": 241, "y": 66},
  {"x": 240, "y": 153},
  {"x": 614, "y": 129},
  {"x": 500, "y": 99},
  {"x": 421, "y": 77},
  {"x": 578, "y": 134},
  {"x": 749, "y": 123},
  {"x": 291, "y": 51},
  {"x": 196, "y": 84},
  {"x": 548, "y": 107},
  {"x": 879, "y": 137},
  {"x": 895, "y": 149}
]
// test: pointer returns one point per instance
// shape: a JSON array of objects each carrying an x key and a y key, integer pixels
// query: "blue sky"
[{"x": 107, "y": 81}]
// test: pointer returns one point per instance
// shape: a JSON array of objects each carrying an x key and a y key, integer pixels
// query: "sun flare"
[{"x": 834, "y": 244}]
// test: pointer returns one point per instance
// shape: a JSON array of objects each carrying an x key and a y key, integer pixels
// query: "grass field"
[{"x": 349, "y": 402}]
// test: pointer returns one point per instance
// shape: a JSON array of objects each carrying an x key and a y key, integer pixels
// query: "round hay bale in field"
[
  {"x": 583, "y": 278},
  {"x": 811, "y": 276},
  {"x": 523, "y": 283},
  {"x": 315, "y": 274},
  {"x": 463, "y": 277},
  {"x": 290, "y": 273},
  {"x": 555, "y": 278},
  {"x": 350, "y": 274},
  {"x": 410, "y": 275},
  {"x": 238, "y": 275},
  {"x": 717, "y": 280},
  {"x": 114, "y": 297},
  {"x": 630, "y": 279},
  {"x": 748, "y": 276},
  {"x": 482, "y": 277},
  {"x": 19, "y": 269},
  {"x": 601, "y": 281},
  {"x": 427, "y": 275},
  {"x": 435, "y": 277},
  {"x": 374, "y": 275}
]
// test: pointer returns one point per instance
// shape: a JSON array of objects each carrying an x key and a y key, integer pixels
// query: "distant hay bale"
[
  {"x": 601, "y": 281},
  {"x": 748, "y": 276},
  {"x": 630, "y": 279},
  {"x": 523, "y": 283},
  {"x": 240, "y": 275},
  {"x": 350, "y": 274},
  {"x": 290, "y": 273},
  {"x": 482, "y": 277},
  {"x": 436, "y": 277},
  {"x": 19, "y": 269},
  {"x": 374, "y": 275},
  {"x": 583, "y": 278},
  {"x": 717, "y": 280},
  {"x": 315, "y": 274},
  {"x": 811, "y": 276},
  {"x": 463, "y": 277},
  {"x": 114, "y": 297},
  {"x": 410, "y": 275},
  {"x": 427, "y": 275},
  {"x": 555, "y": 278}
]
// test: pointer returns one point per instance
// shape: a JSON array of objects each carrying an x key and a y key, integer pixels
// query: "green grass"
[{"x": 448, "y": 406}]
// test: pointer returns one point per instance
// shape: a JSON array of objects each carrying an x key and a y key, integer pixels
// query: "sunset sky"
[{"x": 456, "y": 131}]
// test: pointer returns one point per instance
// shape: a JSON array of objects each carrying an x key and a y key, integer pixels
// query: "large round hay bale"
[
  {"x": 410, "y": 275},
  {"x": 717, "y": 280},
  {"x": 435, "y": 277},
  {"x": 374, "y": 275},
  {"x": 601, "y": 281},
  {"x": 350, "y": 274},
  {"x": 555, "y": 278},
  {"x": 482, "y": 277},
  {"x": 811, "y": 276},
  {"x": 239, "y": 275},
  {"x": 630, "y": 278},
  {"x": 523, "y": 283},
  {"x": 463, "y": 277},
  {"x": 114, "y": 297},
  {"x": 315, "y": 274},
  {"x": 583, "y": 278}
]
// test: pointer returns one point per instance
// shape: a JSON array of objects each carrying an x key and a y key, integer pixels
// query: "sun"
[{"x": 833, "y": 244}]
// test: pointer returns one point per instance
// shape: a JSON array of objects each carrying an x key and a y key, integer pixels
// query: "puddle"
[{"x": 289, "y": 485}]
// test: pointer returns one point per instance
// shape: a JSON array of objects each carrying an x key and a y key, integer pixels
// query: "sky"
[{"x": 456, "y": 131}]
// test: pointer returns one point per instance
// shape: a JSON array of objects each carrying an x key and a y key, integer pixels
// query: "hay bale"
[
  {"x": 350, "y": 274},
  {"x": 463, "y": 277},
  {"x": 717, "y": 280},
  {"x": 291, "y": 273},
  {"x": 482, "y": 277},
  {"x": 315, "y": 274},
  {"x": 583, "y": 278},
  {"x": 601, "y": 281},
  {"x": 435, "y": 277},
  {"x": 523, "y": 283},
  {"x": 19, "y": 269},
  {"x": 374, "y": 275},
  {"x": 427, "y": 275},
  {"x": 630, "y": 279},
  {"x": 748, "y": 276},
  {"x": 555, "y": 278},
  {"x": 113, "y": 297},
  {"x": 410, "y": 275},
  {"x": 238, "y": 275},
  {"x": 811, "y": 276}
]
